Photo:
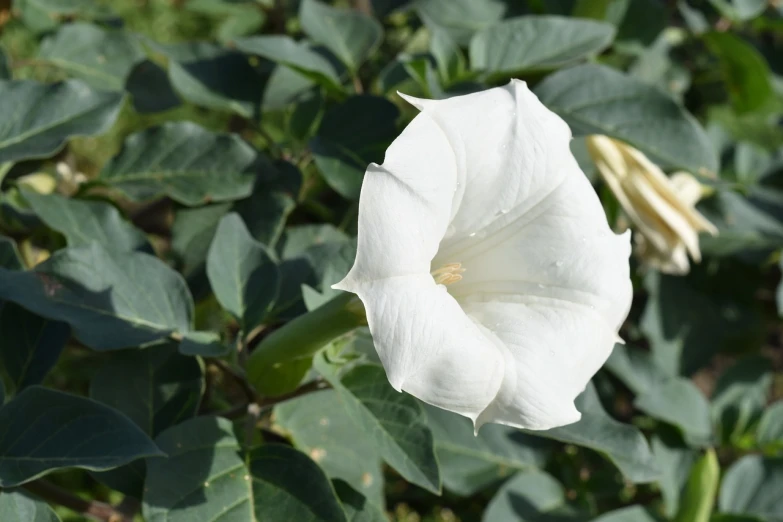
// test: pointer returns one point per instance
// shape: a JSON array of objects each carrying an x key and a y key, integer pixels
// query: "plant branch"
[
  {"x": 250, "y": 392},
  {"x": 310, "y": 387},
  {"x": 91, "y": 509}
]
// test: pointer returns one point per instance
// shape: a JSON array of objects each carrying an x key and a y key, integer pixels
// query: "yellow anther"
[{"x": 448, "y": 274}]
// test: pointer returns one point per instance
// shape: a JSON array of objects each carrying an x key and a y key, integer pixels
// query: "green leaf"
[
  {"x": 185, "y": 162},
  {"x": 5, "y": 66},
  {"x": 770, "y": 430},
  {"x": 468, "y": 462},
  {"x": 192, "y": 233},
  {"x": 31, "y": 345},
  {"x": 745, "y": 71},
  {"x": 349, "y": 34},
  {"x": 19, "y": 505},
  {"x": 102, "y": 58},
  {"x": 112, "y": 300},
  {"x": 635, "y": 368},
  {"x": 740, "y": 395},
  {"x": 65, "y": 431},
  {"x": 623, "y": 444},
  {"x": 460, "y": 18},
  {"x": 350, "y": 136},
  {"x": 206, "y": 478},
  {"x": 320, "y": 426},
  {"x": 296, "y": 55},
  {"x": 243, "y": 276},
  {"x": 680, "y": 403},
  {"x": 41, "y": 117},
  {"x": 395, "y": 422},
  {"x": 535, "y": 43},
  {"x": 751, "y": 486},
  {"x": 9, "y": 255},
  {"x": 740, "y": 10},
  {"x": 530, "y": 495},
  {"x": 213, "y": 77},
  {"x": 627, "y": 514},
  {"x": 149, "y": 86},
  {"x": 699, "y": 497},
  {"x": 45, "y": 15},
  {"x": 205, "y": 344},
  {"x": 82, "y": 222},
  {"x": 355, "y": 505},
  {"x": 675, "y": 462},
  {"x": 594, "y": 99}
]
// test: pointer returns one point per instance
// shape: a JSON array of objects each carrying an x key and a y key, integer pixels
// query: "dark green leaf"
[
  {"x": 635, "y": 368},
  {"x": 41, "y": 117},
  {"x": 534, "y": 43},
  {"x": 205, "y": 344},
  {"x": 321, "y": 427},
  {"x": 192, "y": 233},
  {"x": 460, "y": 18},
  {"x": 111, "y": 300},
  {"x": 205, "y": 478},
  {"x": 675, "y": 463},
  {"x": 82, "y": 222},
  {"x": 740, "y": 395},
  {"x": 30, "y": 345},
  {"x": 469, "y": 463},
  {"x": 395, "y": 422},
  {"x": 595, "y": 99},
  {"x": 623, "y": 444},
  {"x": 45, "y": 15},
  {"x": 356, "y": 506},
  {"x": 296, "y": 55},
  {"x": 740, "y": 10},
  {"x": 531, "y": 495},
  {"x": 628, "y": 514},
  {"x": 751, "y": 486},
  {"x": 770, "y": 430},
  {"x": 243, "y": 276},
  {"x": 5, "y": 66},
  {"x": 349, "y": 34},
  {"x": 744, "y": 69},
  {"x": 102, "y": 58},
  {"x": 185, "y": 162},
  {"x": 681, "y": 403},
  {"x": 149, "y": 86},
  {"x": 19, "y": 505},
  {"x": 9, "y": 255},
  {"x": 65, "y": 431}
]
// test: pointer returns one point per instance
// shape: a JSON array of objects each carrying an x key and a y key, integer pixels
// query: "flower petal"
[{"x": 429, "y": 347}]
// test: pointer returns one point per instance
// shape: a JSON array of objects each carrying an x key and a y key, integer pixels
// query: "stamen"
[{"x": 448, "y": 274}]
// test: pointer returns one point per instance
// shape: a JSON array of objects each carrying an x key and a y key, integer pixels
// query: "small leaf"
[
  {"x": 699, "y": 497},
  {"x": 41, "y": 117},
  {"x": 679, "y": 402},
  {"x": 100, "y": 57},
  {"x": 594, "y": 99},
  {"x": 740, "y": 395},
  {"x": 66, "y": 431},
  {"x": 349, "y": 34},
  {"x": 185, "y": 162},
  {"x": 19, "y": 505},
  {"x": 623, "y": 444},
  {"x": 30, "y": 345},
  {"x": 535, "y": 43},
  {"x": 770, "y": 430},
  {"x": 82, "y": 222},
  {"x": 112, "y": 300},
  {"x": 751, "y": 486},
  {"x": 395, "y": 422},
  {"x": 243, "y": 276}
]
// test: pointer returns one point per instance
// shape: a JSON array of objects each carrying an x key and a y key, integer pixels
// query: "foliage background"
[{"x": 180, "y": 177}]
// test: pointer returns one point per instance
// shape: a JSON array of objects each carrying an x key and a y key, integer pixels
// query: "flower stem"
[{"x": 306, "y": 334}]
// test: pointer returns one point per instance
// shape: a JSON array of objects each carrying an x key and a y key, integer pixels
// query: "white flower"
[
  {"x": 493, "y": 285},
  {"x": 662, "y": 208}
]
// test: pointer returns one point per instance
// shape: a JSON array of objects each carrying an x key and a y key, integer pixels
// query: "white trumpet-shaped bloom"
[{"x": 492, "y": 283}]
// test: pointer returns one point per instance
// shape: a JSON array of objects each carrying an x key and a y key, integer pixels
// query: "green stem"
[{"x": 305, "y": 335}]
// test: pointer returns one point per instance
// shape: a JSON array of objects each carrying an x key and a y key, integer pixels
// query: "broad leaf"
[
  {"x": 41, "y": 117},
  {"x": 770, "y": 430},
  {"x": 681, "y": 403},
  {"x": 102, "y": 58},
  {"x": 635, "y": 368},
  {"x": 45, "y": 15},
  {"x": 296, "y": 55},
  {"x": 356, "y": 506},
  {"x": 65, "y": 431},
  {"x": 594, "y": 99},
  {"x": 531, "y": 495},
  {"x": 395, "y": 422},
  {"x": 460, "y": 18},
  {"x": 111, "y": 300},
  {"x": 320, "y": 426},
  {"x": 628, "y": 514},
  {"x": 82, "y": 222},
  {"x": 243, "y": 276},
  {"x": 740, "y": 395},
  {"x": 623, "y": 444},
  {"x": 751, "y": 486},
  {"x": 5, "y": 66},
  {"x": 9, "y": 255},
  {"x": 19, "y": 505},
  {"x": 149, "y": 85},
  {"x": 349, "y": 34},
  {"x": 185, "y": 162},
  {"x": 205, "y": 478},
  {"x": 534, "y": 43},
  {"x": 674, "y": 462},
  {"x": 30, "y": 345},
  {"x": 469, "y": 463}
]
